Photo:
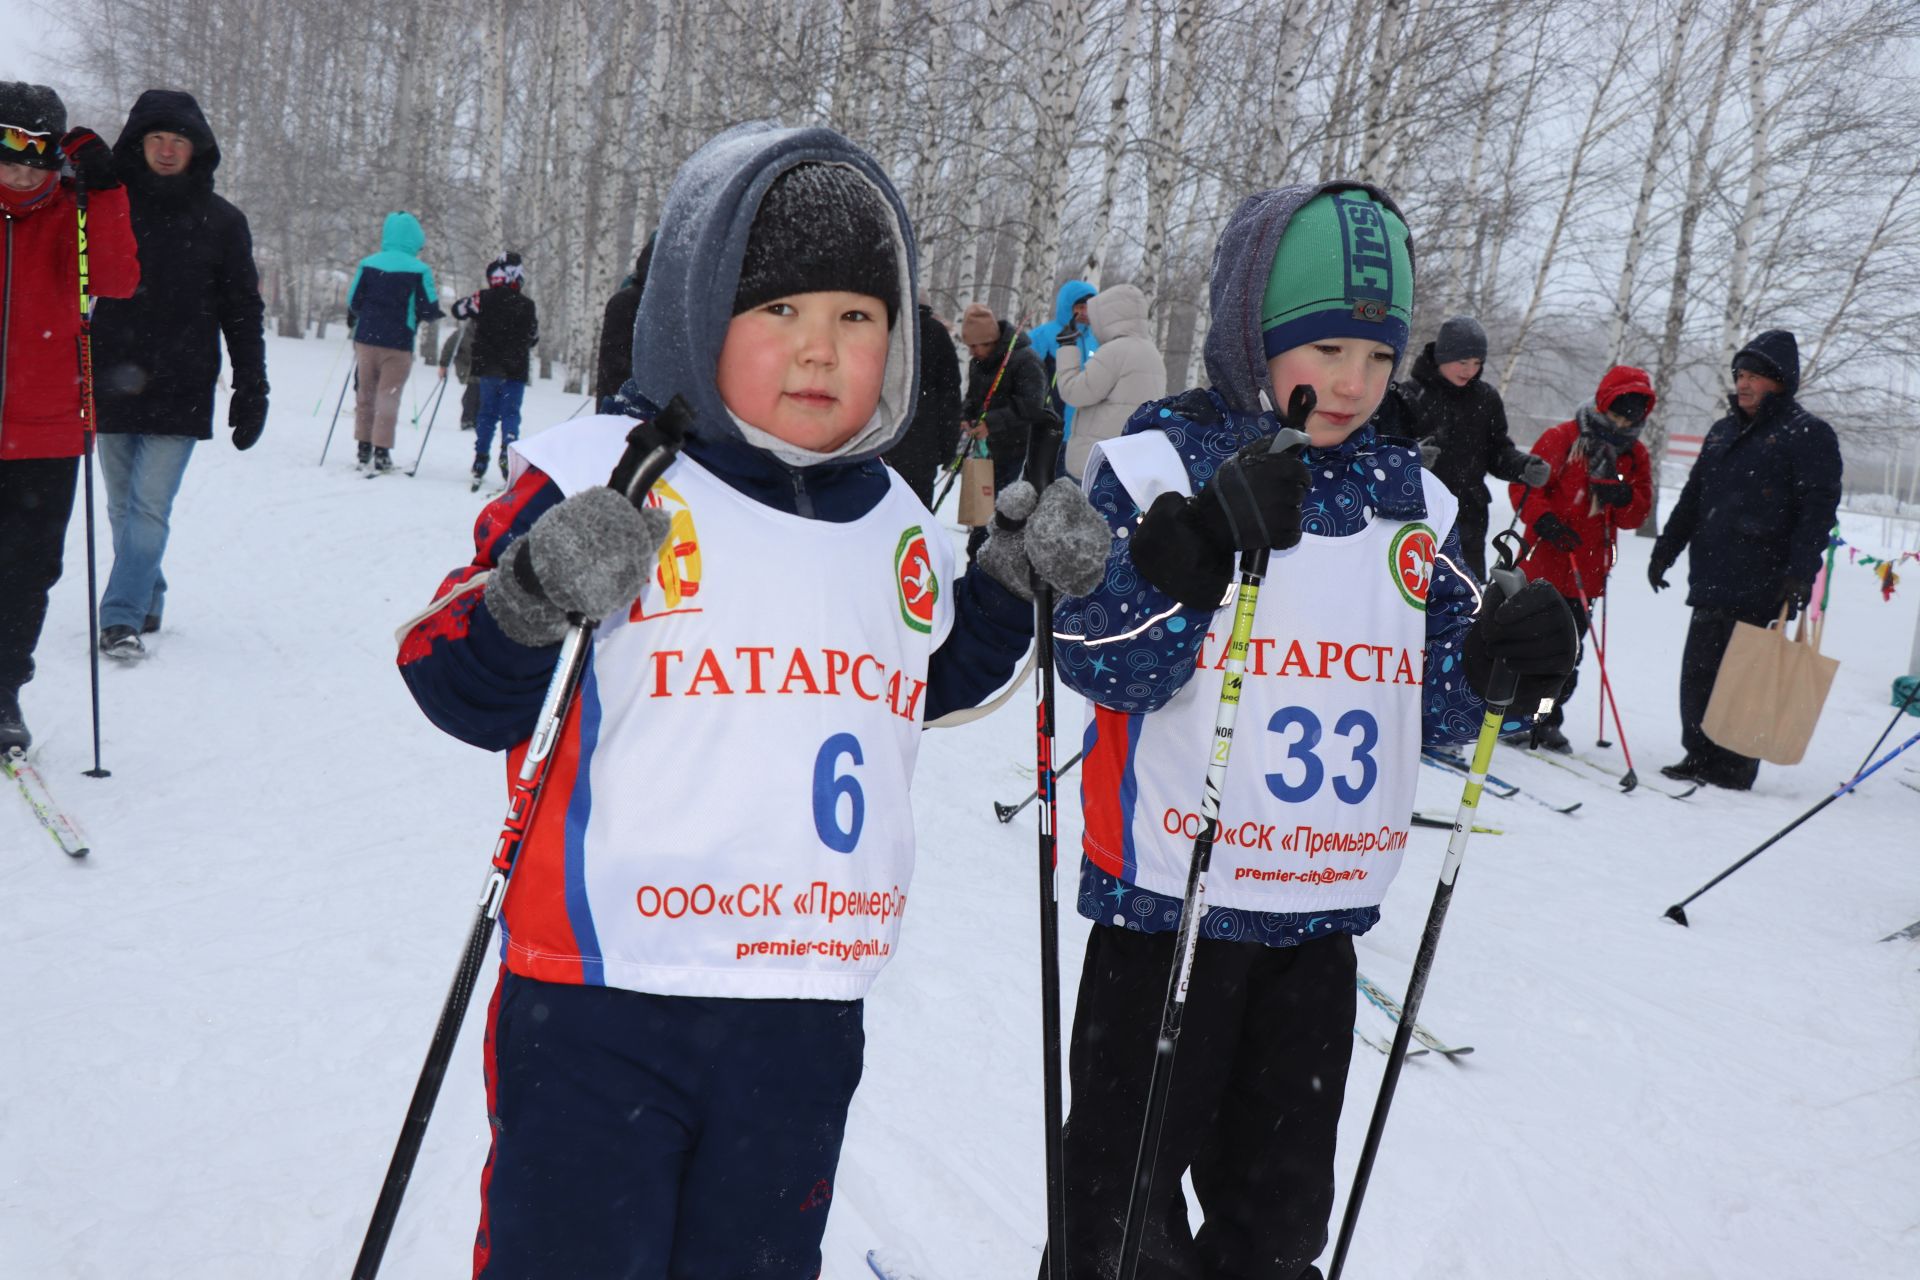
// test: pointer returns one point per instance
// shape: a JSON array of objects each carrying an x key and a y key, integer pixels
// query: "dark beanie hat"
[
  {"x": 1460, "y": 338},
  {"x": 34, "y": 109},
  {"x": 820, "y": 227}
]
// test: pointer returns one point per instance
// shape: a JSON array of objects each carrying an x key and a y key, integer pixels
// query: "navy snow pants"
[{"x": 643, "y": 1137}]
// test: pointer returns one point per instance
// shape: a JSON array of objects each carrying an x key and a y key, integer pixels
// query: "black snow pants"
[
  {"x": 36, "y": 499},
  {"x": 1253, "y": 1112}
]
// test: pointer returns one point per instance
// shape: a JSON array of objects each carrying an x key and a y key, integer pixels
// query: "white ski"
[{"x": 33, "y": 789}]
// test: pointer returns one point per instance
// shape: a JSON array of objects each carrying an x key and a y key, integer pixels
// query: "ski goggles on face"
[{"x": 24, "y": 141}]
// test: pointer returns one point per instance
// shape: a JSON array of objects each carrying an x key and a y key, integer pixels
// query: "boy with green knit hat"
[{"x": 1366, "y": 644}]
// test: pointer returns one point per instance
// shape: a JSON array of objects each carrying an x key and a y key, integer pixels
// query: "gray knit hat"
[{"x": 1460, "y": 338}]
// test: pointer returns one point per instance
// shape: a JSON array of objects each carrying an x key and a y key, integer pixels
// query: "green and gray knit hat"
[{"x": 1342, "y": 270}]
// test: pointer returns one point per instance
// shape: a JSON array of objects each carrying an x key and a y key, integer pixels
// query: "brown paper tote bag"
[
  {"x": 976, "y": 490},
  {"x": 1767, "y": 697}
]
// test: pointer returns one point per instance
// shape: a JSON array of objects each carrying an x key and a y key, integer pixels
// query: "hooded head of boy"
[
  {"x": 1312, "y": 286},
  {"x": 773, "y": 296}
]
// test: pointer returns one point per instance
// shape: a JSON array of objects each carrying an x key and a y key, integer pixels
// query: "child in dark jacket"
[
  {"x": 719, "y": 868},
  {"x": 506, "y": 327},
  {"x": 1366, "y": 644}
]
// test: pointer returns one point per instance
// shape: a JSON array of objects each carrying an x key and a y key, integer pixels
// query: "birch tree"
[{"x": 1112, "y": 144}]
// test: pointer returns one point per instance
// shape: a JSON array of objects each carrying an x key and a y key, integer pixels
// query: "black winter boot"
[
  {"x": 13, "y": 725},
  {"x": 382, "y": 460},
  {"x": 364, "y": 453}
]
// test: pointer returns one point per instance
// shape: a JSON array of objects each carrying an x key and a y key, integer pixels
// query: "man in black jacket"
[
  {"x": 1755, "y": 512},
  {"x": 615, "y": 364},
  {"x": 1461, "y": 424},
  {"x": 157, "y": 354},
  {"x": 506, "y": 325},
  {"x": 935, "y": 429}
]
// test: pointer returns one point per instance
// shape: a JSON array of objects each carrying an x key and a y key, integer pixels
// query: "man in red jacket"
[
  {"x": 42, "y": 428},
  {"x": 1600, "y": 481}
]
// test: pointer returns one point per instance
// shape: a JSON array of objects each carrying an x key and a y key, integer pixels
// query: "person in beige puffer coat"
[{"x": 1125, "y": 372}]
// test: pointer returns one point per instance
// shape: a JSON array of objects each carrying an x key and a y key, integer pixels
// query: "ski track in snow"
[{"x": 216, "y": 1019}]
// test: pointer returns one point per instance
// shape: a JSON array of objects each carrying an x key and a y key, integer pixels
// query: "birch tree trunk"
[
  {"x": 577, "y": 199},
  {"x": 1666, "y": 366},
  {"x": 1037, "y": 254},
  {"x": 1113, "y": 144},
  {"x": 658, "y": 170},
  {"x": 1373, "y": 147},
  {"x": 1290, "y": 67},
  {"x": 1665, "y": 91},
  {"x": 1874, "y": 243},
  {"x": 1485, "y": 282},
  {"x": 1456, "y": 270},
  {"x": 493, "y": 115},
  {"x": 1340, "y": 103},
  {"x": 1734, "y": 318},
  {"x": 1169, "y": 125}
]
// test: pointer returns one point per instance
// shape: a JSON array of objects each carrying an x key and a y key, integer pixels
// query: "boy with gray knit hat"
[{"x": 1461, "y": 424}]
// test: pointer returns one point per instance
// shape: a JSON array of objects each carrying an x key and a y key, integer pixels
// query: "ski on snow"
[
  {"x": 1391, "y": 1007},
  {"x": 52, "y": 818},
  {"x": 889, "y": 1264},
  {"x": 1457, "y": 765},
  {"x": 1440, "y": 822},
  {"x": 1567, "y": 762},
  {"x": 1911, "y": 931}
]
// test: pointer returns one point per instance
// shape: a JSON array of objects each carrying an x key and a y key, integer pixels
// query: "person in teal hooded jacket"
[
  {"x": 391, "y": 294},
  {"x": 1069, "y": 320}
]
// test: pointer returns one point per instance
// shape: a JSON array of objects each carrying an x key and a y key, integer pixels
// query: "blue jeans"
[
  {"x": 143, "y": 474},
  {"x": 499, "y": 403}
]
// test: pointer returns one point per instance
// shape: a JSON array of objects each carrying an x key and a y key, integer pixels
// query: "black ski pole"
[
  {"x": 1888, "y": 731},
  {"x": 1043, "y": 450},
  {"x": 953, "y": 473},
  {"x": 650, "y": 450},
  {"x": 86, "y": 452},
  {"x": 435, "y": 411},
  {"x": 1253, "y": 568},
  {"x": 1006, "y": 812},
  {"x": 344, "y": 384},
  {"x": 1506, "y": 581},
  {"x": 1676, "y": 912}
]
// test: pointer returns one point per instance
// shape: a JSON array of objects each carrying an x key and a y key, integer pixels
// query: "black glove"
[
  {"x": 91, "y": 159},
  {"x": 1553, "y": 531},
  {"x": 1797, "y": 595},
  {"x": 247, "y": 414},
  {"x": 1532, "y": 632},
  {"x": 1186, "y": 546},
  {"x": 1069, "y": 334},
  {"x": 1610, "y": 493},
  {"x": 1657, "y": 574}
]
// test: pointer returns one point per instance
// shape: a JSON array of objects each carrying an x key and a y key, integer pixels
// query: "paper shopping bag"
[
  {"x": 1769, "y": 692},
  {"x": 976, "y": 491}
]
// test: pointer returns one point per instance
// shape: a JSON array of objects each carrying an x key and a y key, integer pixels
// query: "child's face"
[
  {"x": 807, "y": 368},
  {"x": 1348, "y": 376},
  {"x": 22, "y": 177}
]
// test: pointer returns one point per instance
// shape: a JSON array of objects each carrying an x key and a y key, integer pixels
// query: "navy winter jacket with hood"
[
  {"x": 485, "y": 689},
  {"x": 156, "y": 355},
  {"x": 1759, "y": 503},
  {"x": 393, "y": 292},
  {"x": 1366, "y": 474}
]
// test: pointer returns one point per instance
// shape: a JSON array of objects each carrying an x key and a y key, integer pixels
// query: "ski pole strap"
[{"x": 651, "y": 448}]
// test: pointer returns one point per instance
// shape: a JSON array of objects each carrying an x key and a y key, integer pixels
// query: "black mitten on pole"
[
  {"x": 1610, "y": 493},
  {"x": 1532, "y": 632},
  {"x": 1555, "y": 532},
  {"x": 91, "y": 158},
  {"x": 1186, "y": 546}
]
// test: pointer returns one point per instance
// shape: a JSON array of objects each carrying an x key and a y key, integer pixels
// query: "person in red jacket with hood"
[
  {"x": 42, "y": 427},
  {"x": 1600, "y": 482}
]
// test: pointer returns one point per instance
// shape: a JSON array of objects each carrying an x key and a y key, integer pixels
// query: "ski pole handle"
[{"x": 1292, "y": 435}]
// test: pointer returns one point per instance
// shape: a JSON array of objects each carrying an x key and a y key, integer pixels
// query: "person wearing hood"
[
  {"x": 43, "y": 401},
  {"x": 156, "y": 355},
  {"x": 506, "y": 325},
  {"x": 1069, "y": 326},
  {"x": 615, "y": 363},
  {"x": 392, "y": 295},
  {"x": 1124, "y": 372},
  {"x": 1754, "y": 518},
  {"x": 1600, "y": 482},
  {"x": 676, "y": 1038},
  {"x": 1006, "y": 396},
  {"x": 1366, "y": 644},
  {"x": 1461, "y": 424},
  {"x": 929, "y": 442}
]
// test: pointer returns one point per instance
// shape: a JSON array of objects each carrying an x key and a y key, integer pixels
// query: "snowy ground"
[{"x": 215, "y": 1021}]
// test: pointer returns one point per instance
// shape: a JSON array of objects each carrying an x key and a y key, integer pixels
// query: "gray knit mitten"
[
  {"x": 1060, "y": 538},
  {"x": 589, "y": 556}
]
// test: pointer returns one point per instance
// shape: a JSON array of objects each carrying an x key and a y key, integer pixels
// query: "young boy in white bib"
[
  {"x": 720, "y": 862},
  {"x": 1365, "y": 645}
]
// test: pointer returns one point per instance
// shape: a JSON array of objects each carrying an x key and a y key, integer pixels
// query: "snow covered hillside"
[{"x": 213, "y": 1023}]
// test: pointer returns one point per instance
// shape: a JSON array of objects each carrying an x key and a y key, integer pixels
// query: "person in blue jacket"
[
  {"x": 1368, "y": 641},
  {"x": 1069, "y": 316},
  {"x": 1754, "y": 518},
  {"x": 392, "y": 294}
]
